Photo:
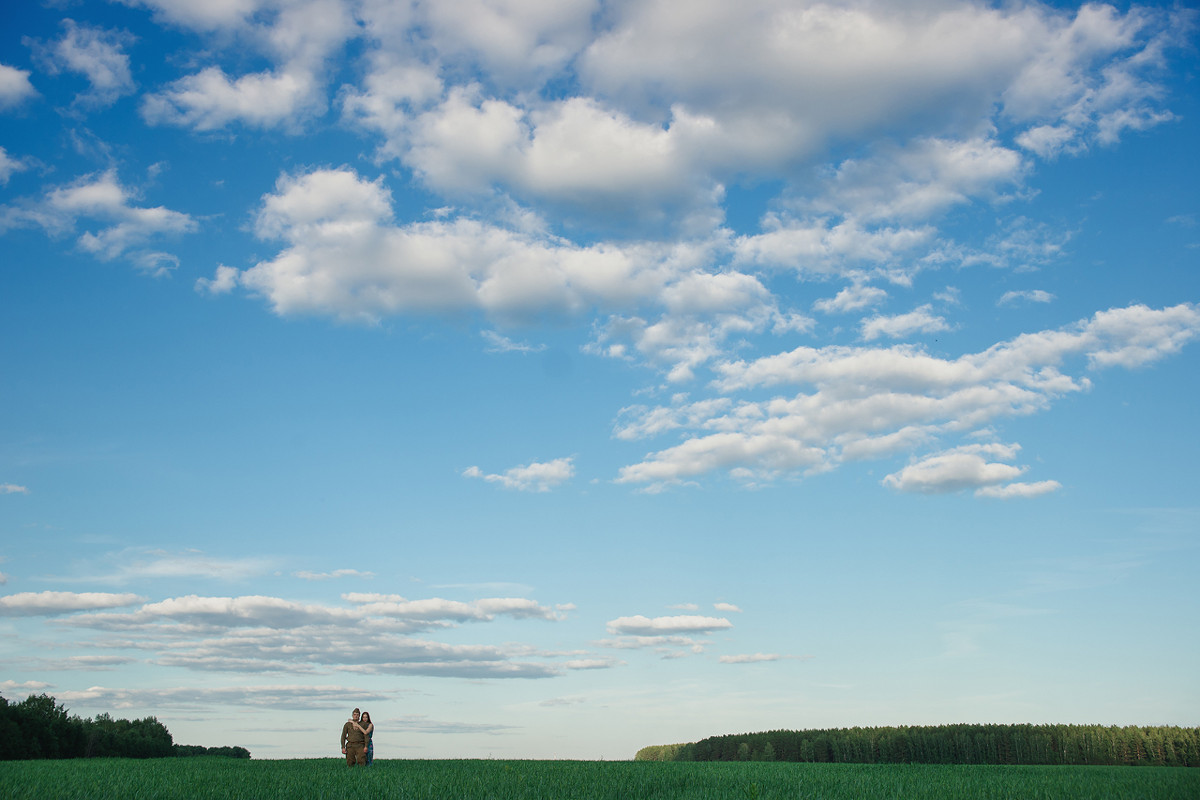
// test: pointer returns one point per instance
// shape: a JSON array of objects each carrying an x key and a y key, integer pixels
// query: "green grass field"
[{"x": 310, "y": 779}]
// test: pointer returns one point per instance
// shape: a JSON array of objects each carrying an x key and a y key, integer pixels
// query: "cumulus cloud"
[
  {"x": 14, "y": 86},
  {"x": 337, "y": 573},
  {"x": 920, "y": 320},
  {"x": 1092, "y": 77},
  {"x": 40, "y": 604},
  {"x": 822, "y": 248},
  {"x": 280, "y": 696},
  {"x": 532, "y": 477},
  {"x": 664, "y": 115},
  {"x": 852, "y": 298},
  {"x": 205, "y": 16},
  {"x": 27, "y": 686},
  {"x": 345, "y": 256},
  {"x": 442, "y": 609},
  {"x": 224, "y": 281},
  {"x": 668, "y": 646},
  {"x": 1012, "y": 490},
  {"x": 119, "y": 228},
  {"x": 661, "y": 626},
  {"x": 750, "y": 658},
  {"x": 870, "y": 402},
  {"x": 10, "y": 165},
  {"x": 97, "y": 54},
  {"x": 1028, "y": 295},
  {"x": 210, "y": 100},
  {"x": 298, "y": 36},
  {"x": 964, "y": 467},
  {"x": 372, "y": 634},
  {"x": 920, "y": 181},
  {"x": 515, "y": 43},
  {"x": 670, "y": 636}
]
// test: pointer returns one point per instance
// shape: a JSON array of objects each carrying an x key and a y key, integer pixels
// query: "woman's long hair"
[{"x": 365, "y": 719}]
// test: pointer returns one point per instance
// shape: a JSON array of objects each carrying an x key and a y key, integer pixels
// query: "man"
[{"x": 354, "y": 742}]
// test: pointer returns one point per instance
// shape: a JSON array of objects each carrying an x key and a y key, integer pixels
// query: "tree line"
[
  {"x": 1165, "y": 746},
  {"x": 40, "y": 727}
]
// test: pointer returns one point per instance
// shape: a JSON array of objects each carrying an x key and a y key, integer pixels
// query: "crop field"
[{"x": 310, "y": 779}]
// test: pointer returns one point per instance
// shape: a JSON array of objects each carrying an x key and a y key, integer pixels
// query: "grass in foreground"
[{"x": 313, "y": 779}]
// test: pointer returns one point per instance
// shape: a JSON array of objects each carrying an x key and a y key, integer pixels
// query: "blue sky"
[{"x": 555, "y": 379}]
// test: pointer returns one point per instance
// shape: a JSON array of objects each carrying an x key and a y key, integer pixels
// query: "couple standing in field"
[{"x": 357, "y": 746}]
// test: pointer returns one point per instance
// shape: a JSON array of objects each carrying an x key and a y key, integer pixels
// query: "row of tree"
[
  {"x": 951, "y": 744},
  {"x": 40, "y": 727}
]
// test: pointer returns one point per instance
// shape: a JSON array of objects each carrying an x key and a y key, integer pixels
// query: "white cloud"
[
  {"x": 681, "y": 342},
  {"x": 346, "y": 257},
  {"x": 498, "y": 343},
  {"x": 297, "y": 35},
  {"x": 337, "y": 573},
  {"x": 246, "y": 611},
  {"x": 665, "y": 114},
  {"x": 919, "y": 320},
  {"x": 666, "y": 626},
  {"x": 395, "y": 606},
  {"x": 852, "y": 298},
  {"x": 1048, "y": 141},
  {"x": 1019, "y": 490},
  {"x": 210, "y": 100},
  {"x": 373, "y": 635},
  {"x": 30, "y": 686},
  {"x": 97, "y": 54},
  {"x": 644, "y": 422},
  {"x": 15, "y": 87},
  {"x": 516, "y": 42},
  {"x": 814, "y": 72},
  {"x": 532, "y": 477},
  {"x": 770, "y": 454},
  {"x": 137, "y": 565},
  {"x": 920, "y": 181},
  {"x": 1028, "y": 295},
  {"x": 119, "y": 228},
  {"x": 815, "y": 247},
  {"x": 10, "y": 165},
  {"x": 224, "y": 281},
  {"x": 1137, "y": 335},
  {"x": 284, "y": 696},
  {"x": 803, "y": 64},
  {"x": 868, "y": 402},
  {"x": 38, "y": 604},
  {"x": 12, "y": 488},
  {"x": 1092, "y": 77},
  {"x": 727, "y": 607},
  {"x": 751, "y": 658},
  {"x": 964, "y": 467},
  {"x": 666, "y": 644},
  {"x": 207, "y": 15}
]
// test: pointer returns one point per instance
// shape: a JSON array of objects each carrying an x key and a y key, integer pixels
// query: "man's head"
[{"x": 355, "y": 715}]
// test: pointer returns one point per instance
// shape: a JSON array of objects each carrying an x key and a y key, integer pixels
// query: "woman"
[{"x": 368, "y": 728}]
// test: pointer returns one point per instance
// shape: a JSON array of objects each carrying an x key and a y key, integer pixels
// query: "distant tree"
[
  {"x": 40, "y": 727},
  {"x": 47, "y": 730},
  {"x": 962, "y": 744},
  {"x": 188, "y": 750}
]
